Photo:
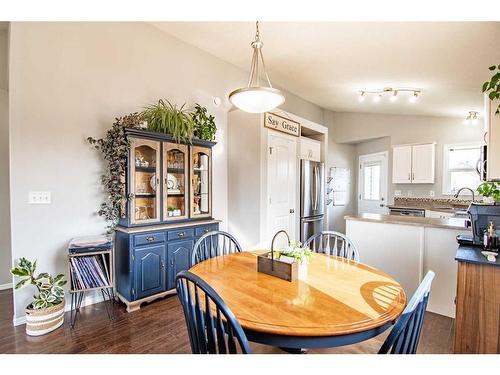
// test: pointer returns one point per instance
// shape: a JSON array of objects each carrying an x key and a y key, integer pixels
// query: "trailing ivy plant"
[
  {"x": 50, "y": 289},
  {"x": 165, "y": 117},
  {"x": 115, "y": 148},
  {"x": 204, "y": 126},
  {"x": 492, "y": 87}
]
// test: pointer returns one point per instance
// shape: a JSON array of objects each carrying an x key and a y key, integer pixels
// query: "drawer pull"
[
  {"x": 181, "y": 234},
  {"x": 150, "y": 238}
]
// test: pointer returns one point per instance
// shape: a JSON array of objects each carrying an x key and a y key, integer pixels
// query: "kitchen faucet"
[{"x": 465, "y": 188}]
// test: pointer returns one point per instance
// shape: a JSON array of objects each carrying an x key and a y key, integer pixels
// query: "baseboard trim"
[
  {"x": 5, "y": 286},
  {"x": 87, "y": 301}
]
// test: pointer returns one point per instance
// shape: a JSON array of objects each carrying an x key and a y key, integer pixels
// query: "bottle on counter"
[{"x": 490, "y": 239}]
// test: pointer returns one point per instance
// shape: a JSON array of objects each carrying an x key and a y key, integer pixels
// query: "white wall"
[
  {"x": 68, "y": 81},
  {"x": 5, "y": 250}
]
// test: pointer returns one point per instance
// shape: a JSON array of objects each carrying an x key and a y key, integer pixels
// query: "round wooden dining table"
[{"x": 333, "y": 302}]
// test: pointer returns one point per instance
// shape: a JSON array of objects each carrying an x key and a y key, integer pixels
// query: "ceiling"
[{"x": 328, "y": 62}]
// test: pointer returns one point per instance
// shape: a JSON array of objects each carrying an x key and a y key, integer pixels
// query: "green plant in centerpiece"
[
  {"x": 164, "y": 117},
  {"x": 489, "y": 189},
  {"x": 492, "y": 87},
  {"x": 204, "y": 125},
  {"x": 297, "y": 251},
  {"x": 50, "y": 289},
  {"x": 115, "y": 148}
]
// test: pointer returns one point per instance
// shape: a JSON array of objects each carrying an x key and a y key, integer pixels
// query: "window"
[
  {"x": 371, "y": 181},
  {"x": 459, "y": 167}
]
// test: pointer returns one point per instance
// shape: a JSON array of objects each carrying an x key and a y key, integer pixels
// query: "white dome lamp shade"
[{"x": 256, "y": 98}]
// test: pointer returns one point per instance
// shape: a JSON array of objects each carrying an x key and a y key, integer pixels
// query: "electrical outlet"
[
  {"x": 397, "y": 193},
  {"x": 39, "y": 197},
  {"x": 431, "y": 193},
  {"x": 410, "y": 193}
]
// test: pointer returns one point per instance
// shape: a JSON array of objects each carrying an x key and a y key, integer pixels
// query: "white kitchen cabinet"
[
  {"x": 310, "y": 149},
  {"x": 423, "y": 161},
  {"x": 414, "y": 164},
  {"x": 401, "y": 165},
  {"x": 492, "y": 124}
]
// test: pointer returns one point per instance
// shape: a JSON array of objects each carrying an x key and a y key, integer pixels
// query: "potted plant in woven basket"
[{"x": 46, "y": 312}]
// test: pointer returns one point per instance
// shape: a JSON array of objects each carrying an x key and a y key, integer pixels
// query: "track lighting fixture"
[{"x": 392, "y": 92}]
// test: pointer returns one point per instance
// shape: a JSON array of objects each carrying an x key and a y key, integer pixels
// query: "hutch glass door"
[
  {"x": 201, "y": 182},
  {"x": 175, "y": 181},
  {"x": 144, "y": 181}
]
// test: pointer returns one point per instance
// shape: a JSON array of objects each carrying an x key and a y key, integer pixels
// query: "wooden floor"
[{"x": 159, "y": 328}]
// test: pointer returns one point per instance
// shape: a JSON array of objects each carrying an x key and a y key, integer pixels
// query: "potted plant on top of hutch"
[{"x": 166, "y": 199}]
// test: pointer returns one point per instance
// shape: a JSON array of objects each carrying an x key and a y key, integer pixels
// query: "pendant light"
[{"x": 256, "y": 98}]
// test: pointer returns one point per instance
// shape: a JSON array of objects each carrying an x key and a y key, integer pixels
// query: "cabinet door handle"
[
  {"x": 172, "y": 262},
  {"x": 413, "y": 176},
  {"x": 162, "y": 264},
  {"x": 206, "y": 231},
  {"x": 409, "y": 176},
  {"x": 181, "y": 234},
  {"x": 150, "y": 238}
]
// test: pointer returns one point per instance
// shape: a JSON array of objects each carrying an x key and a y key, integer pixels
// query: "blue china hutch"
[{"x": 169, "y": 206}]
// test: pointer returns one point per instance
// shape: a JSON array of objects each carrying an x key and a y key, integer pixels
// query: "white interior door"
[
  {"x": 281, "y": 186},
  {"x": 372, "y": 183}
]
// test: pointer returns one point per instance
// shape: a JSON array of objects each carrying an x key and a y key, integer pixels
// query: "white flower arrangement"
[{"x": 295, "y": 252}]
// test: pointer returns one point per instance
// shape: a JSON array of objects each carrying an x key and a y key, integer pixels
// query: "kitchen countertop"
[
  {"x": 438, "y": 209},
  {"x": 472, "y": 254},
  {"x": 428, "y": 222}
]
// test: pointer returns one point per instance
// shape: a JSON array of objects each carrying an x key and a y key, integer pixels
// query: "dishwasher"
[{"x": 418, "y": 212}]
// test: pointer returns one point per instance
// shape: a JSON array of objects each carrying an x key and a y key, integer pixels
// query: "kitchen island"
[{"x": 407, "y": 247}]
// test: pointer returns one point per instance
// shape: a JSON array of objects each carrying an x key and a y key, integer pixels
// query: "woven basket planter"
[{"x": 42, "y": 321}]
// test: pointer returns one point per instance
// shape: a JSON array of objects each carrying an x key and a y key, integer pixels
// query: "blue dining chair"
[
  {"x": 333, "y": 243},
  {"x": 213, "y": 244},
  {"x": 212, "y": 327},
  {"x": 405, "y": 335}
]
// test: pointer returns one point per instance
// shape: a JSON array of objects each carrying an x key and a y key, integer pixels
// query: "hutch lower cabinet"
[
  {"x": 168, "y": 207},
  {"x": 147, "y": 259}
]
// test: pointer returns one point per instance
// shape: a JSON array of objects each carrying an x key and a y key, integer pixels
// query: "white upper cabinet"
[
  {"x": 414, "y": 164},
  {"x": 401, "y": 165},
  {"x": 423, "y": 163},
  {"x": 492, "y": 123},
  {"x": 310, "y": 149}
]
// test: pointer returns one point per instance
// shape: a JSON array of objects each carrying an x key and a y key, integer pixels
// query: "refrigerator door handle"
[
  {"x": 312, "y": 220},
  {"x": 316, "y": 187}
]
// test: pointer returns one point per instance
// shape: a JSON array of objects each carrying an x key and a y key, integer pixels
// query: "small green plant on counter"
[
  {"x": 204, "y": 125},
  {"x": 489, "y": 189},
  {"x": 50, "y": 289},
  {"x": 115, "y": 148},
  {"x": 171, "y": 208},
  {"x": 295, "y": 250},
  {"x": 492, "y": 87},
  {"x": 164, "y": 117}
]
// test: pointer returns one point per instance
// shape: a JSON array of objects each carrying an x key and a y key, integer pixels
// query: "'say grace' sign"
[{"x": 282, "y": 124}]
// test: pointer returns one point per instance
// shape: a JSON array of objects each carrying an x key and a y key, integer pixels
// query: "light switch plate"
[
  {"x": 397, "y": 193},
  {"x": 431, "y": 193},
  {"x": 39, "y": 197}
]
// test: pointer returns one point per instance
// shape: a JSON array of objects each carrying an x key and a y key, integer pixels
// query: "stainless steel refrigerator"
[{"x": 312, "y": 198}]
